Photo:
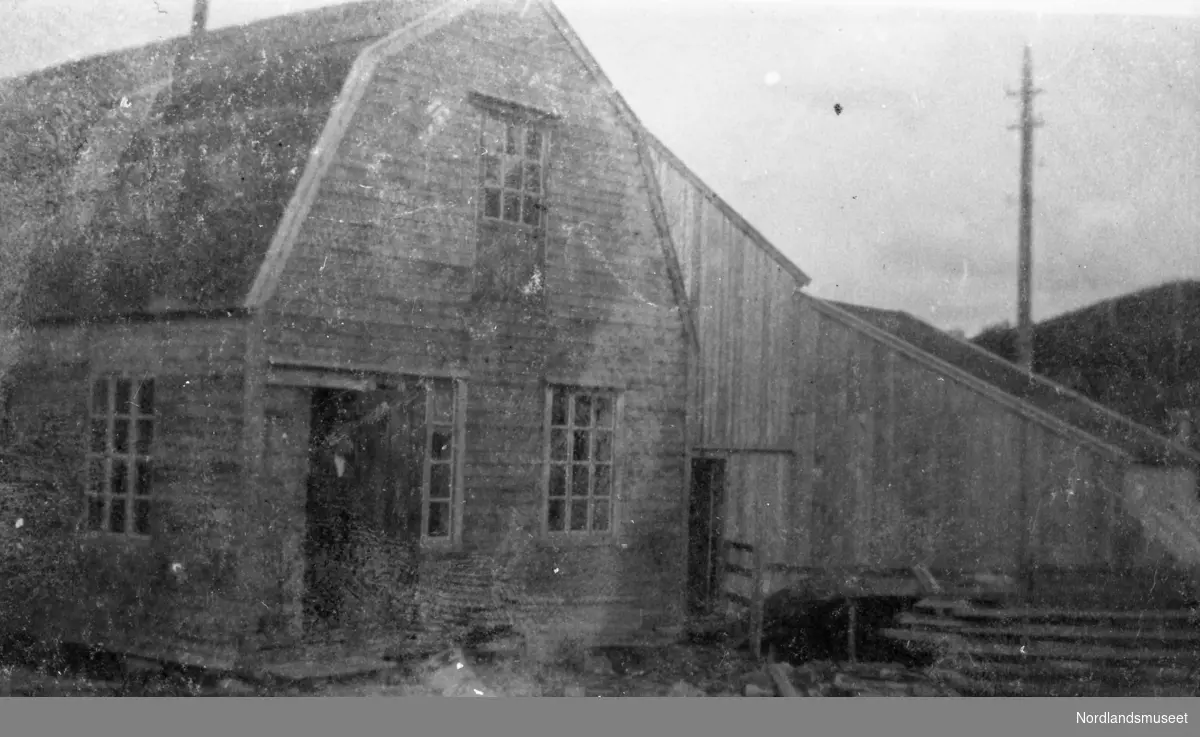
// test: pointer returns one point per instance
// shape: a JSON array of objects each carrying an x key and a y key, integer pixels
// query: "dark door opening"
[
  {"x": 364, "y": 489},
  {"x": 328, "y": 514},
  {"x": 704, "y": 533}
]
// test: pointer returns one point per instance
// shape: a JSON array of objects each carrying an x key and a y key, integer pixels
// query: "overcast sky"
[{"x": 907, "y": 199}]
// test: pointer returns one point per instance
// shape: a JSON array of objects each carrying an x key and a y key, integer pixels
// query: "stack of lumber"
[{"x": 1057, "y": 652}]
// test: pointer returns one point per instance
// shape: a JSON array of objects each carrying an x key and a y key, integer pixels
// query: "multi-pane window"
[
  {"x": 119, "y": 460},
  {"x": 513, "y": 157},
  {"x": 579, "y": 486},
  {"x": 441, "y": 456}
]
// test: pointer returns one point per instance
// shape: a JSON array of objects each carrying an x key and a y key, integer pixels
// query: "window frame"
[
  {"x": 506, "y": 160},
  {"x": 133, "y": 455},
  {"x": 498, "y": 111},
  {"x": 457, "y": 425},
  {"x": 616, "y": 397}
]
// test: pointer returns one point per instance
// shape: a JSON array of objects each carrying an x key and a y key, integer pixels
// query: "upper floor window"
[
  {"x": 513, "y": 154},
  {"x": 514, "y": 142},
  {"x": 580, "y": 459},
  {"x": 119, "y": 459}
]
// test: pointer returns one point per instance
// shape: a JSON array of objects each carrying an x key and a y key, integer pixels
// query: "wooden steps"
[{"x": 1056, "y": 652}]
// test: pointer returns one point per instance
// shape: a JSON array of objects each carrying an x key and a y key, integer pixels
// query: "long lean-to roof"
[{"x": 1112, "y": 430}]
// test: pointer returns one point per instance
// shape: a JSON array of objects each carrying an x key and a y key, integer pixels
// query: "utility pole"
[
  {"x": 1024, "y": 561},
  {"x": 1025, "y": 259}
]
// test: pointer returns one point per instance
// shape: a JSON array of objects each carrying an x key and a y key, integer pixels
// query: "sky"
[{"x": 907, "y": 198}]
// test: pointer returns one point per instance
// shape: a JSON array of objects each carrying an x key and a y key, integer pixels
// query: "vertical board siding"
[
  {"x": 745, "y": 314},
  {"x": 908, "y": 465}
]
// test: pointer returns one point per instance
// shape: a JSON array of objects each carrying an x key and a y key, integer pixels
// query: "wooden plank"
[
  {"x": 782, "y": 683},
  {"x": 1036, "y": 650},
  {"x": 1157, "y": 618},
  {"x": 320, "y": 379},
  {"x": 1046, "y": 632},
  {"x": 745, "y": 450}
]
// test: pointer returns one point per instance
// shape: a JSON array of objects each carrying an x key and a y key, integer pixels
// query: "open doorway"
[
  {"x": 704, "y": 533},
  {"x": 328, "y": 513},
  {"x": 363, "y": 498}
]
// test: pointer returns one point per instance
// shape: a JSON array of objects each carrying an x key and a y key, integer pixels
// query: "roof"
[
  {"x": 1138, "y": 353},
  {"x": 126, "y": 218},
  {"x": 1069, "y": 407}
]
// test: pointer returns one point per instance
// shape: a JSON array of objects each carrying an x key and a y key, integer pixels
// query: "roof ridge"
[{"x": 212, "y": 36}]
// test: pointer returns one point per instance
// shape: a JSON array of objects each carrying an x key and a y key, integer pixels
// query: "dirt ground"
[{"x": 714, "y": 670}]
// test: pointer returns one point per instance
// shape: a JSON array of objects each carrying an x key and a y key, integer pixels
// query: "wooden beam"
[
  {"x": 782, "y": 683},
  {"x": 745, "y": 450},
  {"x": 322, "y": 379},
  {"x": 364, "y": 369}
]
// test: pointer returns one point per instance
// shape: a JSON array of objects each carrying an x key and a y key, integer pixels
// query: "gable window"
[
  {"x": 119, "y": 460},
  {"x": 513, "y": 148},
  {"x": 580, "y": 454},
  {"x": 512, "y": 158}
]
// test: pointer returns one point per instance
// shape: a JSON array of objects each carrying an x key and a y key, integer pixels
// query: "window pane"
[
  {"x": 99, "y": 436},
  {"x": 558, "y": 408},
  {"x": 121, "y": 436},
  {"x": 124, "y": 394},
  {"x": 439, "y": 519},
  {"x": 533, "y": 144},
  {"x": 512, "y": 207},
  {"x": 579, "y": 449},
  {"x": 600, "y": 515},
  {"x": 533, "y": 178},
  {"x": 116, "y": 515},
  {"x": 583, "y": 410},
  {"x": 95, "y": 518},
  {"x": 145, "y": 399},
  {"x": 579, "y": 479},
  {"x": 556, "y": 515},
  {"x": 603, "y": 481},
  {"x": 532, "y": 210},
  {"x": 512, "y": 174},
  {"x": 604, "y": 410},
  {"x": 493, "y": 135},
  {"x": 145, "y": 436},
  {"x": 141, "y": 516},
  {"x": 439, "y": 481},
  {"x": 440, "y": 444},
  {"x": 579, "y": 510},
  {"x": 558, "y": 445},
  {"x": 491, "y": 170},
  {"x": 97, "y": 468},
  {"x": 443, "y": 402},
  {"x": 100, "y": 396},
  {"x": 143, "y": 479},
  {"x": 558, "y": 480},
  {"x": 512, "y": 140},
  {"x": 491, "y": 203},
  {"x": 603, "y": 445},
  {"x": 119, "y": 479}
]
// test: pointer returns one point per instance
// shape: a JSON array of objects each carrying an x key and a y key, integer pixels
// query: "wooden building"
[
  {"x": 849, "y": 440},
  {"x": 379, "y": 287},
  {"x": 393, "y": 291}
]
